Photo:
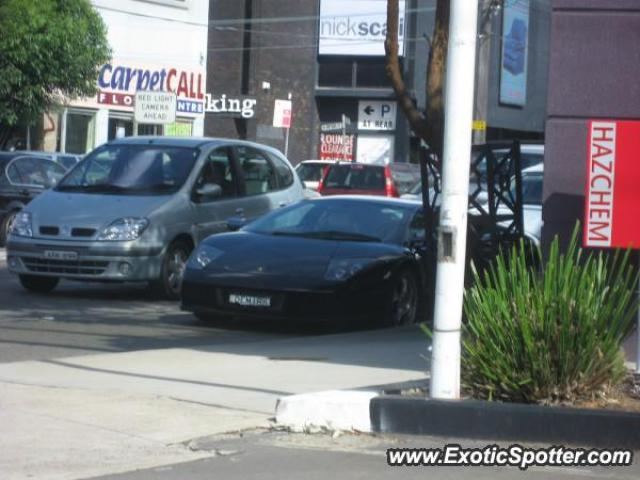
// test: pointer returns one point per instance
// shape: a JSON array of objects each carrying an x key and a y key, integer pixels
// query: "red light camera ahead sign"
[{"x": 612, "y": 195}]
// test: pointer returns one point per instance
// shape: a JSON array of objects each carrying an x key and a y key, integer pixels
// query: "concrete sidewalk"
[{"x": 92, "y": 415}]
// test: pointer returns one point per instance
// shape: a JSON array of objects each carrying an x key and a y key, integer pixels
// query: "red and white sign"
[
  {"x": 335, "y": 146},
  {"x": 282, "y": 114},
  {"x": 612, "y": 194}
]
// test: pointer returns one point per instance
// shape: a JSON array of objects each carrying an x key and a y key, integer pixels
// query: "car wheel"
[
  {"x": 174, "y": 263},
  {"x": 403, "y": 300},
  {"x": 37, "y": 284},
  {"x": 5, "y": 225}
]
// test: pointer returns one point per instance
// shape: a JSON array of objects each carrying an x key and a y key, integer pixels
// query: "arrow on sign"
[{"x": 369, "y": 110}]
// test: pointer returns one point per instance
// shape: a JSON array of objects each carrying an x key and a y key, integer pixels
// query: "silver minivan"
[{"x": 134, "y": 209}]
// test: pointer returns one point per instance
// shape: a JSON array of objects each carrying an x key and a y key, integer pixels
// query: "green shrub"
[{"x": 548, "y": 336}]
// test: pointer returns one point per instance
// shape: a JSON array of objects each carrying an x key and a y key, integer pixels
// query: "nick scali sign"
[
  {"x": 356, "y": 27},
  {"x": 228, "y": 106}
]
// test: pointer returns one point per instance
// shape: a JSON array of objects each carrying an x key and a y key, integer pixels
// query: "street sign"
[
  {"x": 376, "y": 115},
  {"x": 282, "y": 114},
  {"x": 155, "y": 107},
  {"x": 612, "y": 195}
]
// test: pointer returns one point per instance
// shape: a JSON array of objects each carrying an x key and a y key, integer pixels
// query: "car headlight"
[
  {"x": 21, "y": 225},
  {"x": 341, "y": 269},
  {"x": 124, "y": 229},
  {"x": 203, "y": 256}
]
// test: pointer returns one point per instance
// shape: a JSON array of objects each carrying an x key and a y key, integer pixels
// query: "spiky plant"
[{"x": 553, "y": 335}]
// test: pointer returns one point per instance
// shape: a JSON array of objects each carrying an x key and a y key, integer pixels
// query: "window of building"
[
  {"x": 340, "y": 72},
  {"x": 120, "y": 127},
  {"x": 79, "y": 131}
]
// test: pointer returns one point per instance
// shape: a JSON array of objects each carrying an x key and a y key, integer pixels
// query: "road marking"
[{"x": 3, "y": 254}]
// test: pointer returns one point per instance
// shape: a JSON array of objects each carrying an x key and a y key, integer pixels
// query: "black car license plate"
[{"x": 258, "y": 301}]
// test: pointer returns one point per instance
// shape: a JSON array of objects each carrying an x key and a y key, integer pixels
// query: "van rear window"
[{"x": 356, "y": 177}]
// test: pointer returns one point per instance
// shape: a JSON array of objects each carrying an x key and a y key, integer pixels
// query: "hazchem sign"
[{"x": 612, "y": 194}]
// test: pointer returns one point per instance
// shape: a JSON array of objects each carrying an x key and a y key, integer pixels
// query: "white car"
[
  {"x": 310, "y": 172},
  {"x": 531, "y": 201}
]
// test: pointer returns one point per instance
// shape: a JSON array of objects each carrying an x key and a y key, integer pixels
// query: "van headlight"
[
  {"x": 203, "y": 256},
  {"x": 21, "y": 225},
  {"x": 124, "y": 229}
]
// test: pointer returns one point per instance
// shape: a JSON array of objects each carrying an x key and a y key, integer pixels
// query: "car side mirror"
[
  {"x": 236, "y": 223},
  {"x": 209, "y": 191}
]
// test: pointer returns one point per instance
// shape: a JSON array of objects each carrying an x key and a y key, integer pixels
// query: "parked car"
[
  {"x": 391, "y": 180},
  {"x": 67, "y": 160},
  {"x": 134, "y": 208},
  {"x": 311, "y": 171},
  {"x": 342, "y": 257},
  {"x": 531, "y": 201},
  {"x": 22, "y": 177}
]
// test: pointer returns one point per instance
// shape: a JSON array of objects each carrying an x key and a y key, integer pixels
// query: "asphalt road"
[
  {"x": 269, "y": 455},
  {"x": 83, "y": 319}
]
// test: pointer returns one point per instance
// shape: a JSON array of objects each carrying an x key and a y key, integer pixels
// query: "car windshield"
[
  {"x": 356, "y": 177},
  {"x": 131, "y": 169},
  {"x": 310, "y": 172},
  {"x": 337, "y": 219}
]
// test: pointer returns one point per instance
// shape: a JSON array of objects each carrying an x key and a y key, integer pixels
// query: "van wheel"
[
  {"x": 169, "y": 285},
  {"x": 5, "y": 225},
  {"x": 37, "y": 284}
]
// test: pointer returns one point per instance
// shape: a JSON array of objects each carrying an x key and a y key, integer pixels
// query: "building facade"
[
  {"x": 157, "y": 45},
  {"x": 327, "y": 58}
]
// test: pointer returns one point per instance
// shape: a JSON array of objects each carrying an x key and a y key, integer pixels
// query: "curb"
[
  {"x": 334, "y": 410},
  {"x": 371, "y": 412},
  {"x": 505, "y": 421}
]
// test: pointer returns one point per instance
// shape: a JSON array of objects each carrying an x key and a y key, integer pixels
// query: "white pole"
[
  {"x": 286, "y": 142},
  {"x": 452, "y": 235},
  {"x": 344, "y": 137}
]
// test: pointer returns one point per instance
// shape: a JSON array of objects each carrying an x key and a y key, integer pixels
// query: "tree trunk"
[{"x": 428, "y": 125}]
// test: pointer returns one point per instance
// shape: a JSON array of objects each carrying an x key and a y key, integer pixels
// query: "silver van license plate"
[
  {"x": 249, "y": 300},
  {"x": 60, "y": 255}
]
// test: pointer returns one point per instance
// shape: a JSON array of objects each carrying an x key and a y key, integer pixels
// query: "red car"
[{"x": 390, "y": 180}]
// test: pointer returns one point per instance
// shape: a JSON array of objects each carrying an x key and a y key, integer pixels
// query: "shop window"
[
  {"x": 120, "y": 127},
  {"x": 79, "y": 132},
  {"x": 148, "y": 129}
]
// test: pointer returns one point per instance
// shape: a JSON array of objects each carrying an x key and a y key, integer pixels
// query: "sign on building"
[
  {"x": 376, "y": 115},
  {"x": 515, "y": 47},
  {"x": 612, "y": 193},
  {"x": 155, "y": 107},
  {"x": 356, "y": 27},
  {"x": 335, "y": 146},
  {"x": 282, "y": 114}
]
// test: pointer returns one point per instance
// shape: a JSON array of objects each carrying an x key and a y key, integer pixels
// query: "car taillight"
[
  {"x": 389, "y": 188},
  {"x": 325, "y": 171}
]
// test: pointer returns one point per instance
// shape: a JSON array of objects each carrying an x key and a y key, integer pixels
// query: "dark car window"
[
  {"x": 283, "y": 172},
  {"x": 311, "y": 172},
  {"x": 68, "y": 161},
  {"x": 405, "y": 177},
  {"x": 338, "y": 219},
  {"x": 142, "y": 169},
  {"x": 258, "y": 175},
  {"x": 356, "y": 177},
  {"x": 53, "y": 171},
  {"x": 34, "y": 171},
  {"x": 532, "y": 189},
  {"x": 218, "y": 170}
]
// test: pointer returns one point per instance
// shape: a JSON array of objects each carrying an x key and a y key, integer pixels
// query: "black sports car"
[{"x": 346, "y": 257}]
